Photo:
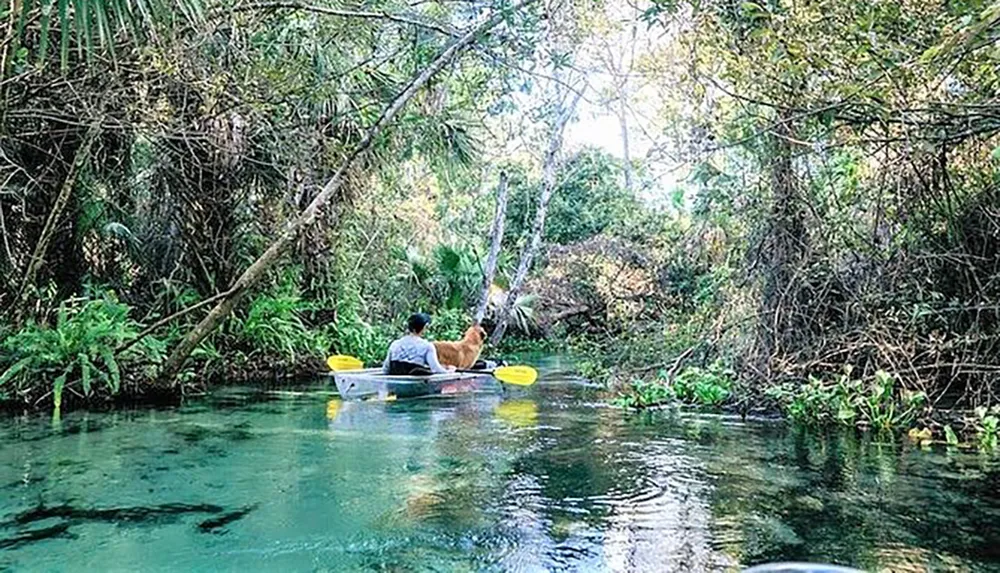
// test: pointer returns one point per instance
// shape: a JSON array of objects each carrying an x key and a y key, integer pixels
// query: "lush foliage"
[
  {"x": 590, "y": 201},
  {"x": 879, "y": 403},
  {"x": 815, "y": 190},
  {"x": 79, "y": 352},
  {"x": 272, "y": 326}
]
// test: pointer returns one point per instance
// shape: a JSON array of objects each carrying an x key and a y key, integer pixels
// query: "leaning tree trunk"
[
  {"x": 252, "y": 275},
  {"x": 626, "y": 158},
  {"x": 55, "y": 215},
  {"x": 496, "y": 240},
  {"x": 548, "y": 186}
]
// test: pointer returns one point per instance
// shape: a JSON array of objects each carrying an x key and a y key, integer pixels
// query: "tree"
[
  {"x": 496, "y": 241},
  {"x": 253, "y": 274},
  {"x": 567, "y": 100}
]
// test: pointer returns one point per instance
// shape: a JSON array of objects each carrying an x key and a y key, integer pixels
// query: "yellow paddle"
[
  {"x": 340, "y": 362},
  {"x": 517, "y": 375}
]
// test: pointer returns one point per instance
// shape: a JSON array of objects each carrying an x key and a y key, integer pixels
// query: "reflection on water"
[{"x": 538, "y": 479}]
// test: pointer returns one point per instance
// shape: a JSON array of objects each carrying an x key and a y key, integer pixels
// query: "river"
[{"x": 539, "y": 479}]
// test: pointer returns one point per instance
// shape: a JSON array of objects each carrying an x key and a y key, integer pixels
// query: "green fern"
[{"x": 78, "y": 348}]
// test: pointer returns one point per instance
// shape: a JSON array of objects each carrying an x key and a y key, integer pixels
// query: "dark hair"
[{"x": 417, "y": 322}]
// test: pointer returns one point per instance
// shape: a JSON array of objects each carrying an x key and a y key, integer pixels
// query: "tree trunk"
[
  {"x": 621, "y": 73},
  {"x": 783, "y": 252},
  {"x": 623, "y": 110},
  {"x": 252, "y": 275},
  {"x": 626, "y": 157},
  {"x": 496, "y": 240},
  {"x": 55, "y": 215},
  {"x": 548, "y": 186}
]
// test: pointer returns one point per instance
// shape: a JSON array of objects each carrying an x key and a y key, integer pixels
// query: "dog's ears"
[{"x": 479, "y": 330}]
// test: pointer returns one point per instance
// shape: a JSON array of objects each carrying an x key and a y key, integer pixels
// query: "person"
[{"x": 412, "y": 354}]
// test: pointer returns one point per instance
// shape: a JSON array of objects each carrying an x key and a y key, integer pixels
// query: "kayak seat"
[
  {"x": 488, "y": 364},
  {"x": 402, "y": 368}
]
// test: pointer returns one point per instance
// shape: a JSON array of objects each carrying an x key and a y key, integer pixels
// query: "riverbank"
[
  {"x": 91, "y": 372},
  {"x": 878, "y": 403}
]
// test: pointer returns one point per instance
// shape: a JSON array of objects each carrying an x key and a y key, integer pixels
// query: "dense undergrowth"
[{"x": 82, "y": 352}]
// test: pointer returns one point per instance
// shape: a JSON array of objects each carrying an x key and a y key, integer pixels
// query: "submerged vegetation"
[{"x": 798, "y": 212}]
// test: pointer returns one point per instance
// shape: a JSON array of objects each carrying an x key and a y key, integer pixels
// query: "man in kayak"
[{"x": 412, "y": 354}]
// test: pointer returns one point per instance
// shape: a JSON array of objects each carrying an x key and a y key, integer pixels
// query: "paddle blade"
[
  {"x": 341, "y": 362},
  {"x": 517, "y": 375},
  {"x": 333, "y": 408},
  {"x": 518, "y": 413}
]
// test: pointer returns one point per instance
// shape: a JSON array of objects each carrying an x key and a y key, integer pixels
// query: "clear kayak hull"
[{"x": 371, "y": 383}]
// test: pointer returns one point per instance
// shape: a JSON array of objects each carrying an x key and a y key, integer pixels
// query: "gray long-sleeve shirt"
[{"x": 414, "y": 350}]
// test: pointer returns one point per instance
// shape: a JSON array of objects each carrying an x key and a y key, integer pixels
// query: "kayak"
[{"x": 371, "y": 383}]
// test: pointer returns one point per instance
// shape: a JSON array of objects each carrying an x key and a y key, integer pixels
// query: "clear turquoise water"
[{"x": 540, "y": 479}]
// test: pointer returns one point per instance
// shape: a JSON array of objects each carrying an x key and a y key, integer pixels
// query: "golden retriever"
[{"x": 464, "y": 353}]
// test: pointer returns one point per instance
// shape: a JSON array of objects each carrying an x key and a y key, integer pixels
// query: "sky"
[
  {"x": 602, "y": 61},
  {"x": 594, "y": 126}
]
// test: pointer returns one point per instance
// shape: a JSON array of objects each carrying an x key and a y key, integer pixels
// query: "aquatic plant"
[
  {"x": 592, "y": 370},
  {"x": 879, "y": 402},
  {"x": 983, "y": 425},
  {"x": 704, "y": 386},
  {"x": 709, "y": 386},
  {"x": 644, "y": 393},
  {"x": 987, "y": 426}
]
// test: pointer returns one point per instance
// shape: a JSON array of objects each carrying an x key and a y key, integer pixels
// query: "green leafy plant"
[
  {"x": 272, "y": 325},
  {"x": 879, "y": 402},
  {"x": 709, "y": 386},
  {"x": 593, "y": 370},
  {"x": 987, "y": 425},
  {"x": 950, "y": 436},
  {"x": 522, "y": 317},
  {"x": 78, "y": 350},
  {"x": 94, "y": 23},
  {"x": 644, "y": 393},
  {"x": 448, "y": 324},
  {"x": 705, "y": 386},
  {"x": 459, "y": 273}
]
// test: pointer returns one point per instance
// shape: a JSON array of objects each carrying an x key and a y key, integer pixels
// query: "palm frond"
[{"x": 96, "y": 25}]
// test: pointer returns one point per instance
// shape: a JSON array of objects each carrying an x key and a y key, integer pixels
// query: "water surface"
[{"x": 544, "y": 478}]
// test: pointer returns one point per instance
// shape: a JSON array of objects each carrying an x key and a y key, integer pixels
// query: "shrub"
[
  {"x": 448, "y": 324},
  {"x": 353, "y": 336},
  {"x": 272, "y": 326},
  {"x": 80, "y": 348}
]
